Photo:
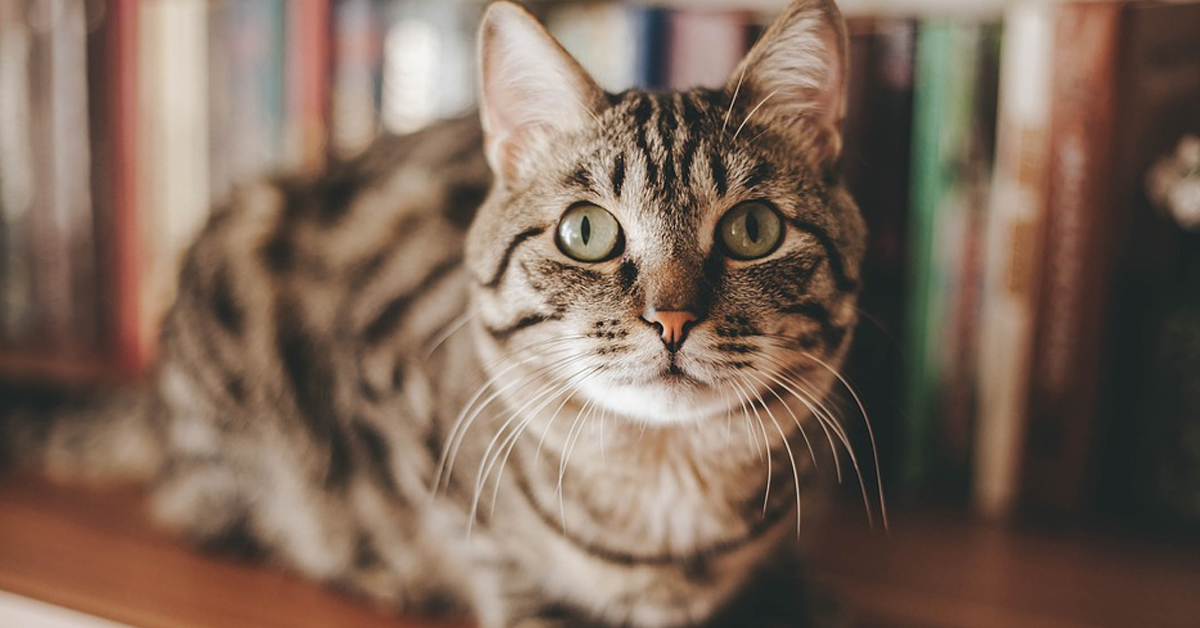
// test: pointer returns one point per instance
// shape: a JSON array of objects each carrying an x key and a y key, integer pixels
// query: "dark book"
[
  {"x": 1127, "y": 80},
  {"x": 1143, "y": 423},
  {"x": 875, "y": 164}
]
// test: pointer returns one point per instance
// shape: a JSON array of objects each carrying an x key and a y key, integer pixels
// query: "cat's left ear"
[
  {"x": 530, "y": 87},
  {"x": 794, "y": 78}
]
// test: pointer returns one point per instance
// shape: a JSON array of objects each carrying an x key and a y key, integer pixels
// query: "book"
[
  {"x": 17, "y": 308},
  {"x": 951, "y": 161},
  {"x": 705, "y": 46},
  {"x": 356, "y": 63},
  {"x": 426, "y": 71},
  {"x": 50, "y": 219},
  {"x": 121, "y": 252},
  {"x": 173, "y": 177},
  {"x": 1127, "y": 77},
  {"x": 877, "y": 137},
  {"x": 1011, "y": 256},
  {"x": 1150, "y": 272},
  {"x": 621, "y": 46},
  {"x": 307, "y": 58}
]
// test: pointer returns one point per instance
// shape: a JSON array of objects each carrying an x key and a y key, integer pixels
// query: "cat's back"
[{"x": 293, "y": 274}]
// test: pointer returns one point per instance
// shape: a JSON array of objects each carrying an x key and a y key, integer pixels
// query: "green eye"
[
  {"x": 750, "y": 231},
  {"x": 588, "y": 233}
]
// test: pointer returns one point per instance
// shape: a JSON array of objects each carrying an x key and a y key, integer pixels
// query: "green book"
[{"x": 951, "y": 160}]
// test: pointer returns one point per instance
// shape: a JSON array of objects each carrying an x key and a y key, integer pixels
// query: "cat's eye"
[
  {"x": 588, "y": 233},
  {"x": 750, "y": 230}
]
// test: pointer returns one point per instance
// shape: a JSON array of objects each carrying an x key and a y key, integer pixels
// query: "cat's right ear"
[{"x": 530, "y": 88}]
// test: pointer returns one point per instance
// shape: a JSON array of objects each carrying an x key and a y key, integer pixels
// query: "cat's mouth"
[{"x": 674, "y": 375}]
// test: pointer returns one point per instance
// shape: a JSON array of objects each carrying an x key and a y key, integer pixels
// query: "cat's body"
[{"x": 385, "y": 391}]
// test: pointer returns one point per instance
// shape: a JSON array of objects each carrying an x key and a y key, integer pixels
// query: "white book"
[
  {"x": 1011, "y": 251},
  {"x": 174, "y": 187}
]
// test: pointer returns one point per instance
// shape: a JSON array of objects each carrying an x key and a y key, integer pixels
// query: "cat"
[{"x": 561, "y": 364}]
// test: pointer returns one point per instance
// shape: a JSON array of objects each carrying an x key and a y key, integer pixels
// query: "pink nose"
[{"x": 672, "y": 325}]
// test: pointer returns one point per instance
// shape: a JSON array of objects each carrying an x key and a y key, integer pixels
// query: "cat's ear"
[
  {"x": 530, "y": 87},
  {"x": 794, "y": 78}
]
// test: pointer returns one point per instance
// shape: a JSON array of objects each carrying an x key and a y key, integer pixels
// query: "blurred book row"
[
  {"x": 1043, "y": 312},
  {"x": 1031, "y": 323}
]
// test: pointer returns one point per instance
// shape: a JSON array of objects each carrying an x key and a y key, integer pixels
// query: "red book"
[
  {"x": 308, "y": 61},
  {"x": 132, "y": 348}
]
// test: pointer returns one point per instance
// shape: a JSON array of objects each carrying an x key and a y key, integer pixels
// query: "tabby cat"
[{"x": 566, "y": 367}]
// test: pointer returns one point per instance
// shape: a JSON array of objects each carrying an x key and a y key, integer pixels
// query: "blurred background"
[{"x": 1029, "y": 352}]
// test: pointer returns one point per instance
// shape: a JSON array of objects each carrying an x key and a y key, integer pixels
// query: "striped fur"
[{"x": 372, "y": 382}]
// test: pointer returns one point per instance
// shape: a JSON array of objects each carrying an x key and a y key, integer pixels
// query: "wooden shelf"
[
  {"x": 94, "y": 551},
  {"x": 47, "y": 367}
]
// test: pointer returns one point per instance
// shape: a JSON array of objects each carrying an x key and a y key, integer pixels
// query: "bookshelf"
[{"x": 285, "y": 85}]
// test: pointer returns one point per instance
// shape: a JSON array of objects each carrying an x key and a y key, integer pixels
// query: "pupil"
[
  {"x": 752, "y": 227},
  {"x": 585, "y": 230}
]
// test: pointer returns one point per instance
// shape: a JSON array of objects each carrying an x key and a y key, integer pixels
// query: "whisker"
[
  {"x": 808, "y": 443},
  {"x": 790, "y": 343},
  {"x": 753, "y": 111},
  {"x": 870, "y": 431},
  {"x": 766, "y": 442},
  {"x": 750, "y": 435},
  {"x": 825, "y": 419},
  {"x": 474, "y": 407},
  {"x": 581, "y": 419},
  {"x": 511, "y": 443},
  {"x": 451, "y": 329},
  {"x": 736, "y": 90},
  {"x": 548, "y": 393},
  {"x": 788, "y": 448}
]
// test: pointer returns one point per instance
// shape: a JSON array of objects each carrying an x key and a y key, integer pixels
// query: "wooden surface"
[
  {"x": 94, "y": 551},
  {"x": 950, "y": 571}
]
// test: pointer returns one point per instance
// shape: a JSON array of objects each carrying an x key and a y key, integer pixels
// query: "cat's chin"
[{"x": 672, "y": 399}]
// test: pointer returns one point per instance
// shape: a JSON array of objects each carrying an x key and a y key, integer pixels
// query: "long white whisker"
[
  {"x": 843, "y": 436},
  {"x": 474, "y": 407},
  {"x": 570, "y": 388},
  {"x": 825, "y": 419},
  {"x": 788, "y": 448},
  {"x": 870, "y": 431},
  {"x": 450, "y": 330},
  {"x": 808, "y": 443},
  {"x": 548, "y": 393},
  {"x": 736, "y": 90},
  {"x": 766, "y": 442},
  {"x": 753, "y": 111},
  {"x": 750, "y": 435},
  {"x": 812, "y": 400}
]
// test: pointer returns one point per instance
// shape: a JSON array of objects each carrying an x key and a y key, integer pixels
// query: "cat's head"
[{"x": 666, "y": 256}]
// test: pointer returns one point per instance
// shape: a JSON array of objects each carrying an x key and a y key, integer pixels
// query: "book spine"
[
  {"x": 17, "y": 326},
  {"x": 705, "y": 46},
  {"x": 1065, "y": 374},
  {"x": 951, "y": 159},
  {"x": 50, "y": 244},
  {"x": 72, "y": 174},
  {"x": 1011, "y": 255},
  {"x": 308, "y": 65},
  {"x": 875, "y": 164},
  {"x": 173, "y": 177},
  {"x": 651, "y": 38},
  {"x": 134, "y": 351},
  {"x": 356, "y": 57}
]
